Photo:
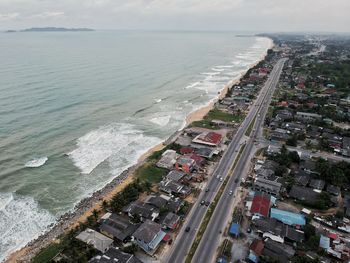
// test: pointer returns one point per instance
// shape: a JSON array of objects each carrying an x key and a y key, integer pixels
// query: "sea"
[{"x": 78, "y": 108}]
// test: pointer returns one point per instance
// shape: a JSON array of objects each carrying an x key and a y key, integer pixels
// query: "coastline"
[{"x": 84, "y": 208}]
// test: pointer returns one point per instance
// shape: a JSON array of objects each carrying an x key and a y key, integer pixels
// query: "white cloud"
[
  {"x": 49, "y": 15},
  {"x": 8, "y": 16},
  {"x": 260, "y": 15}
]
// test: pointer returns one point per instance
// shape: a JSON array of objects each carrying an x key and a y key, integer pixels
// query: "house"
[
  {"x": 302, "y": 180},
  {"x": 158, "y": 201},
  {"x": 186, "y": 150},
  {"x": 118, "y": 227},
  {"x": 303, "y": 193},
  {"x": 288, "y": 218},
  {"x": 317, "y": 184},
  {"x": 148, "y": 236},
  {"x": 95, "y": 239},
  {"x": 278, "y": 252},
  {"x": 174, "y": 175},
  {"x": 278, "y": 231},
  {"x": 234, "y": 229},
  {"x": 185, "y": 164},
  {"x": 199, "y": 161},
  {"x": 307, "y": 117},
  {"x": 267, "y": 186},
  {"x": 208, "y": 138},
  {"x": 273, "y": 150},
  {"x": 333, "y": 190},
  {"x": 174, "y": 188},
  {"x": 142, "y": 210},
  {"x": 168, "y": 159},
  {"x": 171, "y": 221},
  {"x": 260, "y": 205},
  {"x": 115, "y": 255},
  {"x": 257, "y": 246},
  {"x": 308, "y": 166},
  {"x": 205, "y": 152}
]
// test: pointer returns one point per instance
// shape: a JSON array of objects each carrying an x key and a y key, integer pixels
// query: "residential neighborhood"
[{"x": 291, "y": 200}]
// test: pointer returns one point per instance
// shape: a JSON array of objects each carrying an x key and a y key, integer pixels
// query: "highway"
[
  {"x": 207, "y": 249},
  {"x": 210, "y": 241}
]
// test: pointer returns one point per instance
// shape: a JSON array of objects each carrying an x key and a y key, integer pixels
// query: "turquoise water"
[{"x": 92, "y": 103}]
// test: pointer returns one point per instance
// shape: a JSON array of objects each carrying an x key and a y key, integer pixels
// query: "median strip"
[
  {"x": 210, "y": 211},
  {"x": 250, "y": 127}
]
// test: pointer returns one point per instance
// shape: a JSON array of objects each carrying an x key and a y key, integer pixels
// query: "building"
[
  {"x": 174, "y": 188},
  {"x": 118, "y": 227},
  {"x": 95, "y": 239},
  {"x": 185, "y": 164},
  {"x": 148, "y": 236},
  {"x": 260, "y": 205},
  {"x": 303, "y": 194},
  {"x": 115, "y": 255},
  {"x": 142, "y": 210},
  {"x": 168, "y": 159},
  {"x": 317, "y": 184},
  {"x": 288, "y": 218},
  {"x": 277, "y": 251},
  {"x": 234, "y": 229},
  {"x": 267, "y": 186},
  {"x": 171, "y": 221},
  {"x": 174, "y": 175},
  {"x": 208, "y": 138}
]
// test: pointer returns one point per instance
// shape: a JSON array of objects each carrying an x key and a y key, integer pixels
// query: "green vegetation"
[
  {"x": 48, "y": 253},
  {"x": 150, "y": 173},
  {"x": 216, "y": 114},
  {"x": 336, "y": 174},
  {"x": 250, "y": 127}
]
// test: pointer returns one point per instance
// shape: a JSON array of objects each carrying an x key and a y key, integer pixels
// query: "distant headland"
[{"x": 51, "y": 29}]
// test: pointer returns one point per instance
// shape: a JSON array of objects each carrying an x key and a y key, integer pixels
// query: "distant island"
[{"x": 51, "y": 29}]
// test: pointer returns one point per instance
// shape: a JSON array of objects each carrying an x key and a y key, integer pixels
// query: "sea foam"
[
  {"x": 21, "y": 220},
  {"x": 36, "y": 162},
  {"x": 115, "y": 139}
]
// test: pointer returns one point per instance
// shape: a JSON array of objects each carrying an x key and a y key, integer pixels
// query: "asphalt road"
[
  {"x": 184, "y": 240},
  {"x": 207, "y": 249}
]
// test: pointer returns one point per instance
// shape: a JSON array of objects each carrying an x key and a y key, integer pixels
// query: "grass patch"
[
  {"x": 250, "y": 127},
  {"x": 150, "y": 173},
  {"x": 216, "y": 114},
  {"x": 48, "y": 253}
]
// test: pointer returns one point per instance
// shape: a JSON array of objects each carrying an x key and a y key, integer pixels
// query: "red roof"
[
  {"x": 333, "y": 236},
  {"x": 260, "y": 205},
  {"x": 198, "y": 159},
  {"x": 166, "y": 237},
  {"x": 186, "y": 150},
  {"x": 257, "y": 246},
  {"x": 211, "y": 137}
]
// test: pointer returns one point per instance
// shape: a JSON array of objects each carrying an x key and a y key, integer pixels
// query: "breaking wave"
[
  {"x": 36, "y": 162},
  {"x": 21, "y": 220},
  {"x": 109, "y": 141}
]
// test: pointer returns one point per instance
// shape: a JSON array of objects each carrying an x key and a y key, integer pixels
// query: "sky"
[{"x": 232, "y": 15}]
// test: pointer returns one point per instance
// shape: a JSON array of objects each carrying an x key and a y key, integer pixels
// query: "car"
[
  {"x": 221, "y": 179},
  {"x": 188, "y": 229},
  {"x": 207, "y": 203},
  {"x": 230, "y": 193},
  {"x": 202, "y": 202},
  {"x": 236, "y": 181},
  {"x": 207, "y": 190}
]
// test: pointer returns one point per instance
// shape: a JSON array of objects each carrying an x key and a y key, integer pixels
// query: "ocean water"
[{"x": 76, "y": 109}]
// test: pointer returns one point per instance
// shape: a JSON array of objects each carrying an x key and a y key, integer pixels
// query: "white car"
[
  {"x": 221, "y": 179},
  {"x": 230, "y": 193}
]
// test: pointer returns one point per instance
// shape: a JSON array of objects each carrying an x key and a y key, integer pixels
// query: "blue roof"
[
  {"x": 253, "y": 257},
  {"x": 287, "y": 218},
  {"x": 221, "y": 260},
  {"x": 234, "y": 229},
  {"x": 324, "y": 242}
]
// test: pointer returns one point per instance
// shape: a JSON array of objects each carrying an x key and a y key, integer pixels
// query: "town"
[{"x": 263, "y": 177}]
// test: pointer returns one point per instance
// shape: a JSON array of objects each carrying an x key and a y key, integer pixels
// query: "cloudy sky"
[{"x": 235, "y": 15}]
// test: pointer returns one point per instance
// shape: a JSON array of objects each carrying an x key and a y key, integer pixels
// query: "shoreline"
[{"x": 84, "y": 208}]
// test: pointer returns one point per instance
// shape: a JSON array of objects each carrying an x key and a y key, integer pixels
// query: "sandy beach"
[{"x": 85, "y": 207}]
